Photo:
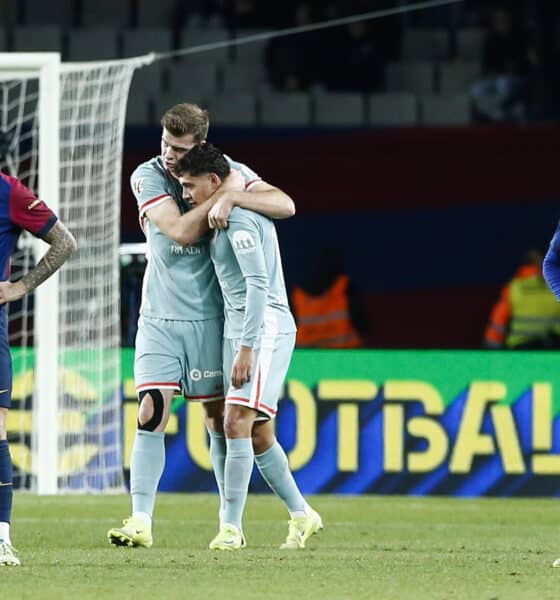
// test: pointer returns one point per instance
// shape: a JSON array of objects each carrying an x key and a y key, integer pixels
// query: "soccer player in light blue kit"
[
  {"x": 259, "y": 338},
  {"x": 179, "y": 340}
]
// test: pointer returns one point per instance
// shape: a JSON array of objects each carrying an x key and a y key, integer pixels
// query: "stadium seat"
[
  {"x": 470, "y": 43},
  {"x": 92, "y": 44},
  {"x": 156, "y": 13},
  {"x": 238, "y": 77},
  {"x": 190, "y": 38},
  {"x": 397, "y": 109},
  {"x": 54, "y": 12},
  {"x": 457, "y": 77},
  {"x": 96, "y": 13},
  {"x": 233, "y": 110},
  {"x": 36, "y": 38},
  {"x": 250, "y": 52},
  {"x": 136, "y": 42},
  {"x": 281, "y": 109},
  {"x": 332, "y": 108},
  {"x": 425, "y": 44},
  {"x": 445, "y": 109},
  {"x": 195, "y": 79},
  {"x": 414, "y": 77}
]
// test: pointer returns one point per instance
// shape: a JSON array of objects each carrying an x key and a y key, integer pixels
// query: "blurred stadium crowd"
[{"x": 419, "y": 67}]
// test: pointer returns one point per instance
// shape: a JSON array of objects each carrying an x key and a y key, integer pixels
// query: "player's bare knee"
[
  {"x": 238, "y": 421},
  {"x": 152, "y": 415},
  {"x": 263, "y": 436}
]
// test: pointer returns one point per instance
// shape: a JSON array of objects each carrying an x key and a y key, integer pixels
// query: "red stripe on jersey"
[
  {"x": 238, "y": 398},
  {"x": 148, "y": 203},
  {"x": 250, "y": 183}
]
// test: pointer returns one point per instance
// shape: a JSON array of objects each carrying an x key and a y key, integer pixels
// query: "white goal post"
[{"x": 65, "y": 126}]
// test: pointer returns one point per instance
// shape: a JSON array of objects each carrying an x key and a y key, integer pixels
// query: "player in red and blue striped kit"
[{"x": 20, "y": 210}]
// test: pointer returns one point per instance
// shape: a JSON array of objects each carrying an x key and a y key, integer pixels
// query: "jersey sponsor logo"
[
  {"x": 186, "y": 250},
  {"x": 197, "y": 374},
  {"x": 34, "y": 204},
  {"x": 243, "y": 242},
  {"x": 138, "y": 185}
]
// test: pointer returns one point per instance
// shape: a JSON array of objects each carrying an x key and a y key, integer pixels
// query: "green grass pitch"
[{"x": 372, "y": 547}]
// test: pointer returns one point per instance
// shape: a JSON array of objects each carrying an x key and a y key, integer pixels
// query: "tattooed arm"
[{"x": 62, "y": 244}]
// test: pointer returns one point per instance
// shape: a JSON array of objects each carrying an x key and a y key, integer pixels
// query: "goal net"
[{"x": 65, "y": 422}]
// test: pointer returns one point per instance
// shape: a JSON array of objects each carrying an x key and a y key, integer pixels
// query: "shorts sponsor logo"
[
  {"x": 243, "y": 242},
  {"x": 197, "y": 374}
]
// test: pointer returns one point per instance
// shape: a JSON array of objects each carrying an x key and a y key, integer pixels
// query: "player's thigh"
[
  {"x": 271, "y": 362},
  {"x": 158, "y": 356},
  {"x": 203, "y": 374}
]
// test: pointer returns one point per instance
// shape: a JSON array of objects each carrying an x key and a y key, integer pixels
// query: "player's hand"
[
  {"x": 218, "y": 215},
  {"x": 9, "y": 292},
  {"x": 242, "y": 369},
  {"x": 224, "y": 200}
]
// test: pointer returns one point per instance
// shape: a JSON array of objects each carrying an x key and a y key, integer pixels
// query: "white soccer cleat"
[
  {"x": 300, "y": 529},
  {"x": 228, "y": 538},
  {"x": 8, "y": 555},
  {"x": 134, "y": 533},
  {"x": 556, "y": 563}
]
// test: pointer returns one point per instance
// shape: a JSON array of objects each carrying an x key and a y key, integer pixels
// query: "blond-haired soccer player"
[
  {"x": 181, "y": 316},
  {"x": 259, "y": 338}
]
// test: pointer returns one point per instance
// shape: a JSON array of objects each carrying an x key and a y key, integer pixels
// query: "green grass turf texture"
[{"x": 374, "y": 547}]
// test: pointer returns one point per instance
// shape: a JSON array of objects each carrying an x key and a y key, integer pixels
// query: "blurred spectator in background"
[
  {"x": 293, "y": 61},
  {"x": 328, "y": 311},
  {"x": 527, "y": 315},
  {"x": 355, "y": 61},
  {"x": 505, "y": 65}
]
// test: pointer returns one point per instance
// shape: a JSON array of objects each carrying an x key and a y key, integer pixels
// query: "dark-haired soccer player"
[
  {"x": 179, "y": 342},
  {"x": 20, "y": 210},
  {"x": 259, "y": 338}
]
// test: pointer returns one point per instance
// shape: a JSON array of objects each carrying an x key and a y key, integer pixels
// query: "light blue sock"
[
  {"x": 146, "y": 466},
  {"x": 237, "y": 474},
  {"x": 273, "y": 465},
  {"x": 218, "y": 458}
]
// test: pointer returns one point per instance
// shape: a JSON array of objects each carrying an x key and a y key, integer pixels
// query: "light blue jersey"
[
  {"x": 179, "y": 283},
  {"x": 249, "y": 269}
]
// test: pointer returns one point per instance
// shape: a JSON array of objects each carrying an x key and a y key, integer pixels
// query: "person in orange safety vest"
[
  {"x": 324, "y": 311},
  {"x": 527, "y": 315}
]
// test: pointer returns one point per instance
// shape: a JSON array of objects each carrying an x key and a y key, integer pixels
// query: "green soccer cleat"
[
  {"x": 8, "y": 555},
  {"x": 301, "y": 529},
  {"x": 134, "y": 533},
  {"x": 228, "y": 538}
]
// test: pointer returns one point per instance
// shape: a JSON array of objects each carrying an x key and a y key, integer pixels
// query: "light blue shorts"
[
  {"x": 271, "y": 361},
  {"x": 180, "y": 355}
]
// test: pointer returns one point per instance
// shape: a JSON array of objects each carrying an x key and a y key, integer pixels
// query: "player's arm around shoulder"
[
  {"x": 156, "y": 204},
  {"x": 257, "y": 196}
]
